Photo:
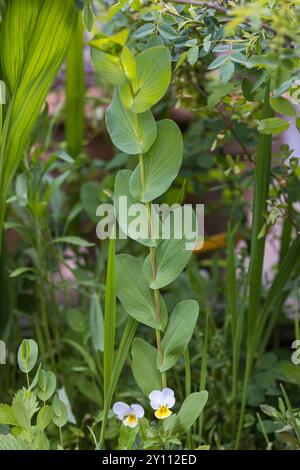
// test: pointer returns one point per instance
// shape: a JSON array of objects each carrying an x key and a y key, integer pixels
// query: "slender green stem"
[
  {"x": 203, "y": 373},
  {"x": 61, "y": 437},
  {"x": 75, "y": 93},
  {"x": 154, "y": 273},
  {"x": 296, "y": 314},
  {"x": 41, "y": 291},
  {"x": 188, "y": 385}
]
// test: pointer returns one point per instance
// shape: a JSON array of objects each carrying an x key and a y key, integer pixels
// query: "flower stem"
[{"x": 154, "y": 273}]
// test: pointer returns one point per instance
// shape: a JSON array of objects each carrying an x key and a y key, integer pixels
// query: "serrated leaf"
[
  {"x": 10, "y": 442},
  {"x": 6, "y": 415}
]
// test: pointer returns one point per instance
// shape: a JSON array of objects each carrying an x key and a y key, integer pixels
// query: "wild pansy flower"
[
  {"x": 128, "y": 414},
  {"x": 162, "y": 401}
]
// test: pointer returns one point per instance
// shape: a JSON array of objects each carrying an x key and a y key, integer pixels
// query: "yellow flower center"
[
  {"x": 163, "y": 412},
  {"x": 131, "y": 420}
]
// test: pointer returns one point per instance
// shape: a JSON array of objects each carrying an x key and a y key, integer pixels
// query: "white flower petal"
[
  {"x": 121, "y": 409},
  {"x": 156, "y": 399},
  {"x": 138, "y": 410},
  {"x": 168, "y": 397}
]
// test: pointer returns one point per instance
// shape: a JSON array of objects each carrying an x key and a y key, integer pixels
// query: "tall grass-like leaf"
[
  {"x": 286, "y": 268},
  {"x": 35, "y": 36},
  {"x": 112, "y": 366},
  {"x": 75, "y": 93},
  {"x": 285, "y": 241},
  {"x": 120, "y": 358},
  {"x": 233, "y": 313},
  {"x": 254, "y": 278},
  {"x": 109, "y": 315},
  {"x": 261, "y": 191},
  {"x": 6, "y": 310}
]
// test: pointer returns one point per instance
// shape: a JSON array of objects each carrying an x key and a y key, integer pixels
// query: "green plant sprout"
[{"x": 34, "y": 408}]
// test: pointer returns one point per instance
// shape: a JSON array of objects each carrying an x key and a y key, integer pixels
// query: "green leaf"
[
  {"x": 76, "y": 320},
  {"x": 283, "y": 106},
  {"x": 96, "y": 323},
  {"x": 60, "y": 413},
  {"x": 272, "y": 126},
  {"x": 27, "y": 355},
  {"x": 132, "y": 133},
  {"x": 192, "y": 55},
  {"x": 6, "y": 415},
  {"x": 22, "y": 190},
  {"x": 46, "y": 384},
  {"x": 179, "y": 332},
  {"x": 35, "y": 37},
  {"x": 114, "y": 9},
  {"x": 298, "y": 123},
  {"x": 19, "y": 271},
  {"x": 73, "y": 241},
  {"x": 24, "y": 407},
  {"x": 127, "y": 437},
  {"x": 124, "y": 219},
  {"x": 171, "y": 255},
  {"x": 10, "y": 442},
  {"x": 261, "y": 191},
  {"x": 44, "y": 417},
  {"x": 216, "y": 63},
  {"x": 108, "y": 67},
  {"x": 291, "y": 373},
  {"x": 167, "y": 32},
  {"x": 144, "y": 31},
  {"x": 128, "y": 63},
  {"x": 190, "y": 410},
  {"x": 161, "y": 163},
  {"x": 135, "y": 295},
  {"x": 151, "y": 82},
  {"x": 247, "y": 89},
  {"x": 227, "y": 71},
  {"x": 144, "y": 367}
]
